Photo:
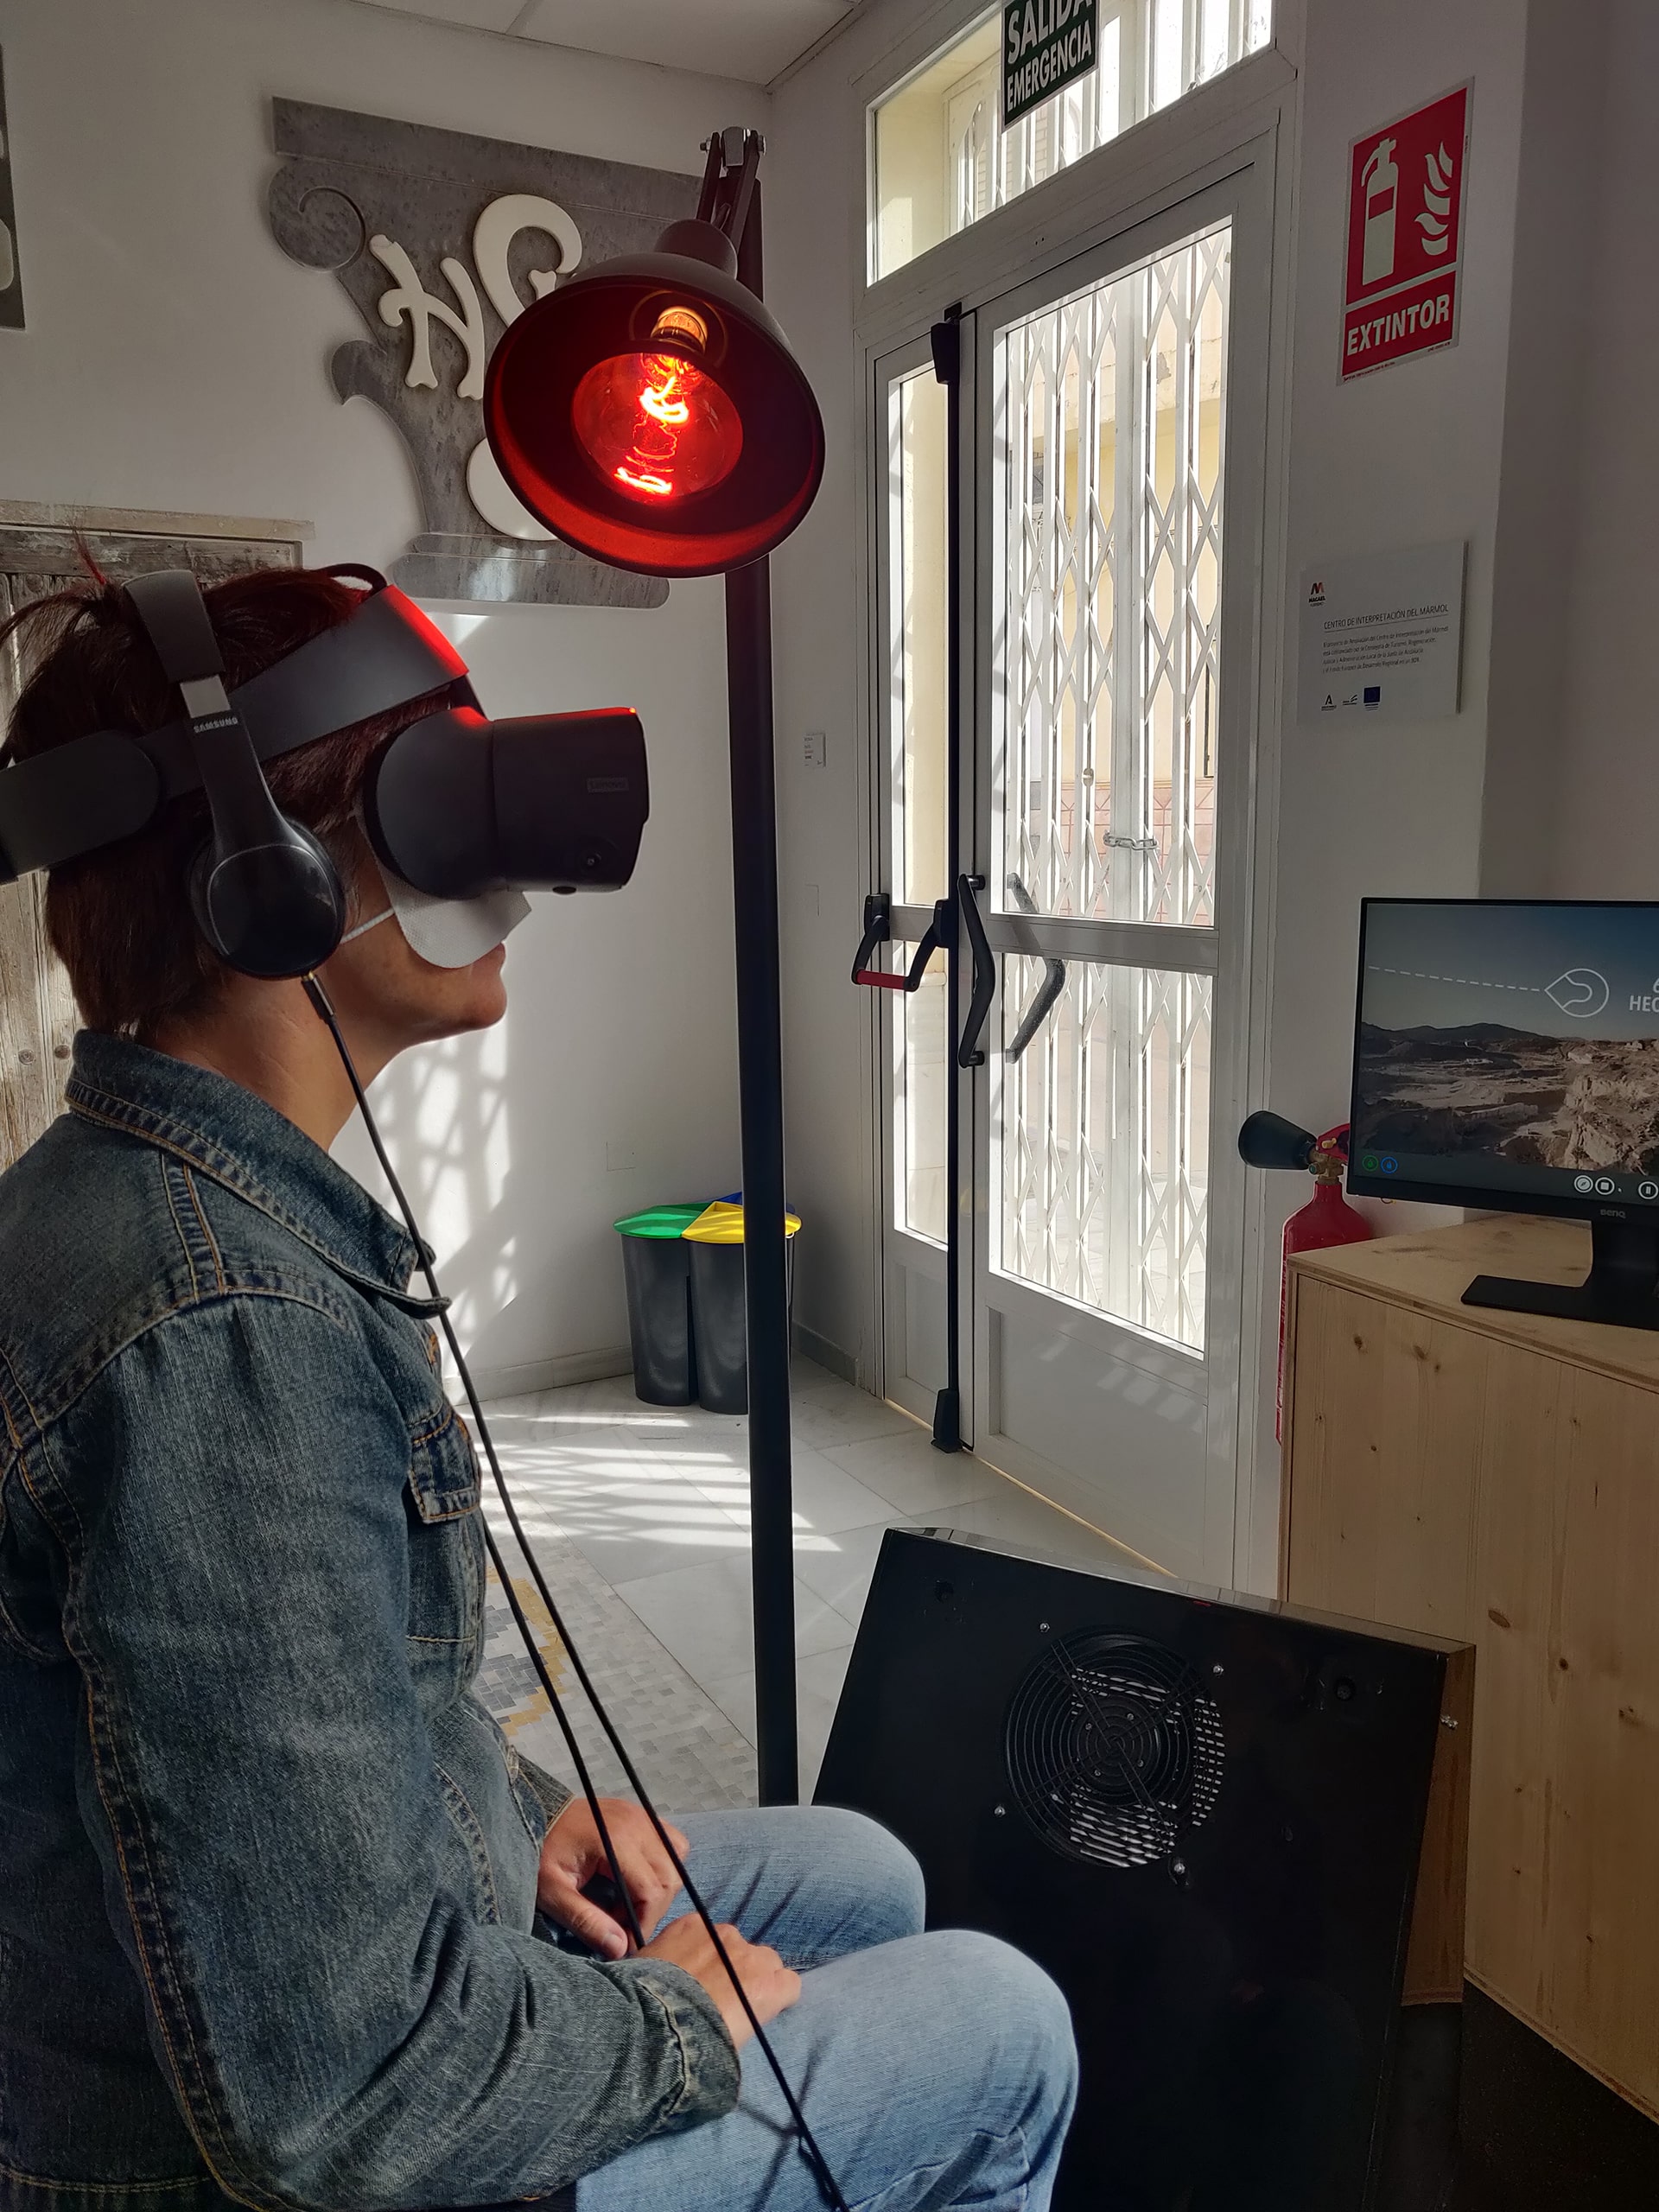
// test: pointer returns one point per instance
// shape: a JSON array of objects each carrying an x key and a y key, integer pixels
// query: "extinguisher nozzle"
[{"x": 1270, "y": 1141}]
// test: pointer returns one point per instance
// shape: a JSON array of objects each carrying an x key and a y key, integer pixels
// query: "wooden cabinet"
[{"x": 1469, "y": 1473}]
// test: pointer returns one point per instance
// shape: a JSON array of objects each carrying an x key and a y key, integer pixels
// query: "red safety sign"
[{"x": 1405, "y": 235}]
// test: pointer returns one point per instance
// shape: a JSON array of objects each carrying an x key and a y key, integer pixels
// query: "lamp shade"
[{"x": 651, "y": 413}]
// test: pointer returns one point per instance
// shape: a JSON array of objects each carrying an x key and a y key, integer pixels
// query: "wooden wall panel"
[
  {"x": 37, "y": 1012},
  {"x": 38, "y": 556},
  {"x": 37, "y": 1020}
]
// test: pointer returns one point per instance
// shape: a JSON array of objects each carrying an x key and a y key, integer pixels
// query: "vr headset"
[{"x": 456, "y": 805}]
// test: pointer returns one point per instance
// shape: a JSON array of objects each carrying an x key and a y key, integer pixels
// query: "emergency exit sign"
[
  {"x": 1405, "y": 235},
  {"x": 1046, "y": 45}
]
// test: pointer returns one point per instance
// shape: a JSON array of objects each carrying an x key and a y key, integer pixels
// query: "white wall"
[
  {"x": 1604, "y": 796},
  {"x": 1556, "y": 230},
  {"x": 815, "y": 229},
  {"x": 176, "y": 359},
  {"x": 1407, "y": 455},
  {"x": 613, "y": 1083},
  {"x": 1410, "y": 456}
]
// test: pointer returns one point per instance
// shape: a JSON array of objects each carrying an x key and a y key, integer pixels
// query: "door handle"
[
  {"x": 1052, "y": 984},
  {"x": 878, "y": 930},
  {"x": 969, "y": 1054}
]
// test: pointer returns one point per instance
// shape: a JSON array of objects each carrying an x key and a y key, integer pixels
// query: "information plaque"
[{"x": 1381, "y": 633}]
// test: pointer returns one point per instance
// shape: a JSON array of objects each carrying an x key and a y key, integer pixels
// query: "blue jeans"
[{"x": 936, "y": 2071}]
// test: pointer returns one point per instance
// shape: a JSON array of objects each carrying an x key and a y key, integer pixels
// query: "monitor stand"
[{"x": 1620, "y": 1286}]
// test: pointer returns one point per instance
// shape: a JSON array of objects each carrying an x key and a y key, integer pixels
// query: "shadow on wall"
[
  {"x": 444, "y": 1113},
  {"x": 613, "y": 1082}
]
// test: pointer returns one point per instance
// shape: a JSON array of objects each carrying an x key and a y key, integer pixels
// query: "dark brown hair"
[{"x": 120, "y": 918}]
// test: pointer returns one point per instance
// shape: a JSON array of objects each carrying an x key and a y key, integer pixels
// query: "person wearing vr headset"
[{"x": 285, "y": 1921}]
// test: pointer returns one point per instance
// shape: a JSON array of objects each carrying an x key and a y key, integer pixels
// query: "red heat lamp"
[{"x": 651, "y": 413}]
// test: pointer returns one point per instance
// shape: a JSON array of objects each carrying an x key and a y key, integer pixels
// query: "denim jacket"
[{"x": 267, "y": 1868}]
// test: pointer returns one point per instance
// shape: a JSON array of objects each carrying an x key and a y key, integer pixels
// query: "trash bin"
[
  {"x": 715, "y": 1243},
  {"x": 656, "y": 1269}
]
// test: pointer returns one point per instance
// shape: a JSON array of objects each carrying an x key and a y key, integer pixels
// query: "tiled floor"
[{"x": 654, "y": 1501}]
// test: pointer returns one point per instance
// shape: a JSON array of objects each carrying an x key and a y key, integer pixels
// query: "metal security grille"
[
  {"x": 1114, "y": 415},
  {"x": 1105, "y": 1143},
  {"x": 1111, "y": 435}
]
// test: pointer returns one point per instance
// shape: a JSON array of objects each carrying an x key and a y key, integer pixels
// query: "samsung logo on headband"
[{"x": 609, "y": 783}]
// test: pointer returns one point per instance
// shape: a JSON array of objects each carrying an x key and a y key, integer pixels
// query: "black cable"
[{"x": 821, "y": 2168}]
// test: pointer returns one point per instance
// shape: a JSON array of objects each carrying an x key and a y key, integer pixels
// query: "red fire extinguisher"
[{"x": 1326, "y": 1219}]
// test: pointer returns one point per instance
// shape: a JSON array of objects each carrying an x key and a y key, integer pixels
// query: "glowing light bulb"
[{"x": 656, "y": 426}]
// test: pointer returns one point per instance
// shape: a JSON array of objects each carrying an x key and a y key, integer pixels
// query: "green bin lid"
[{"x": 658, "y": 1221}]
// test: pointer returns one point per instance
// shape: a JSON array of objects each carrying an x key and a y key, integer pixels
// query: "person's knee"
[
  {"x": 1022, "y": 2012},
  {"x": 881, "y": 1879}
]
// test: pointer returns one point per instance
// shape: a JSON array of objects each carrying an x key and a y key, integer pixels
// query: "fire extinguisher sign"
[{"x": 1405, "y": 235}]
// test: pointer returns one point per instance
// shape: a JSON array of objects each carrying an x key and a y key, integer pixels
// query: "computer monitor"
[{"x": 1506, "y": 1056}]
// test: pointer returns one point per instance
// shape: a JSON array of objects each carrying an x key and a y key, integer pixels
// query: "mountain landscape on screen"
[{"x": 1541, "y": 1101}]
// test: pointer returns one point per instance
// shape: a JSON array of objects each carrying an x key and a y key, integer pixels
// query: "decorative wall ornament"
[
  {"x": 11, "y": 276},
  {"x": 441, "y": 239}
]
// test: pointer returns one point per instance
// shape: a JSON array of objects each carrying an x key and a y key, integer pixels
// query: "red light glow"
[{"x": 655, "y": 426}]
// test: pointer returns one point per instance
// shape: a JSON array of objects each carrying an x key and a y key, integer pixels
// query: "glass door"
[
  {"x": 1110, "y": 463},
  {"x": 1105, "y": 1338}
]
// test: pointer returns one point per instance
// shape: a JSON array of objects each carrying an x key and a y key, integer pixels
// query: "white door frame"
[{"x": 1224, "y": 137}]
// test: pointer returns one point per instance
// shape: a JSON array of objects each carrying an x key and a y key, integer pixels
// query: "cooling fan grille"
[{"x": 1114, "y": 1753}]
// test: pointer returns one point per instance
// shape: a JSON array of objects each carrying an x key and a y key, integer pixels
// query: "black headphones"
[{"x": 266, "y": 896}]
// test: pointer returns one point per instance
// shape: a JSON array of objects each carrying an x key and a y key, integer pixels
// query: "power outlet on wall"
[{"x": 815, "y": 749}]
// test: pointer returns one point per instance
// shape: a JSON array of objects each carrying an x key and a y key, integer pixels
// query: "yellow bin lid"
[{"x": 722, "y": 1223}]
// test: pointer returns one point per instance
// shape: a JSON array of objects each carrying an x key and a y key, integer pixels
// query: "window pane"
[
  {"x": 917, "y": 422},
  {"x": 1102, "y": 1135},
  {"x": 943, "y": 159},
  {"x": 1112, "y": 410},
  {"x": 919, "y": 1075}
]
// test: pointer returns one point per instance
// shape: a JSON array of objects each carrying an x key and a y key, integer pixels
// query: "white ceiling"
[{"x": 750, "y": 40}]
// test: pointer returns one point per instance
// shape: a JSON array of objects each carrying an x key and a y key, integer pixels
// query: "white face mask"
[{"x": 446, "y": 932}]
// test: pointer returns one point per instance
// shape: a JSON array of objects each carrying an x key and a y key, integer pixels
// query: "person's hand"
[
  {"x": 572, "y": 1855},
  {"x": 771, "y": 1986}
]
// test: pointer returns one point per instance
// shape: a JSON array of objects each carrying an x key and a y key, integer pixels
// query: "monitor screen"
[{"x": 1507, "y": 1054}]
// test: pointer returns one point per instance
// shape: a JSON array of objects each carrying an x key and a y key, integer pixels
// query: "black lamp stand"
[{"x": 734, "y": 197}]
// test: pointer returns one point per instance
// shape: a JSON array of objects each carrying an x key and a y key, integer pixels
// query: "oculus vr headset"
[{"x": 458, "y": 806}]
